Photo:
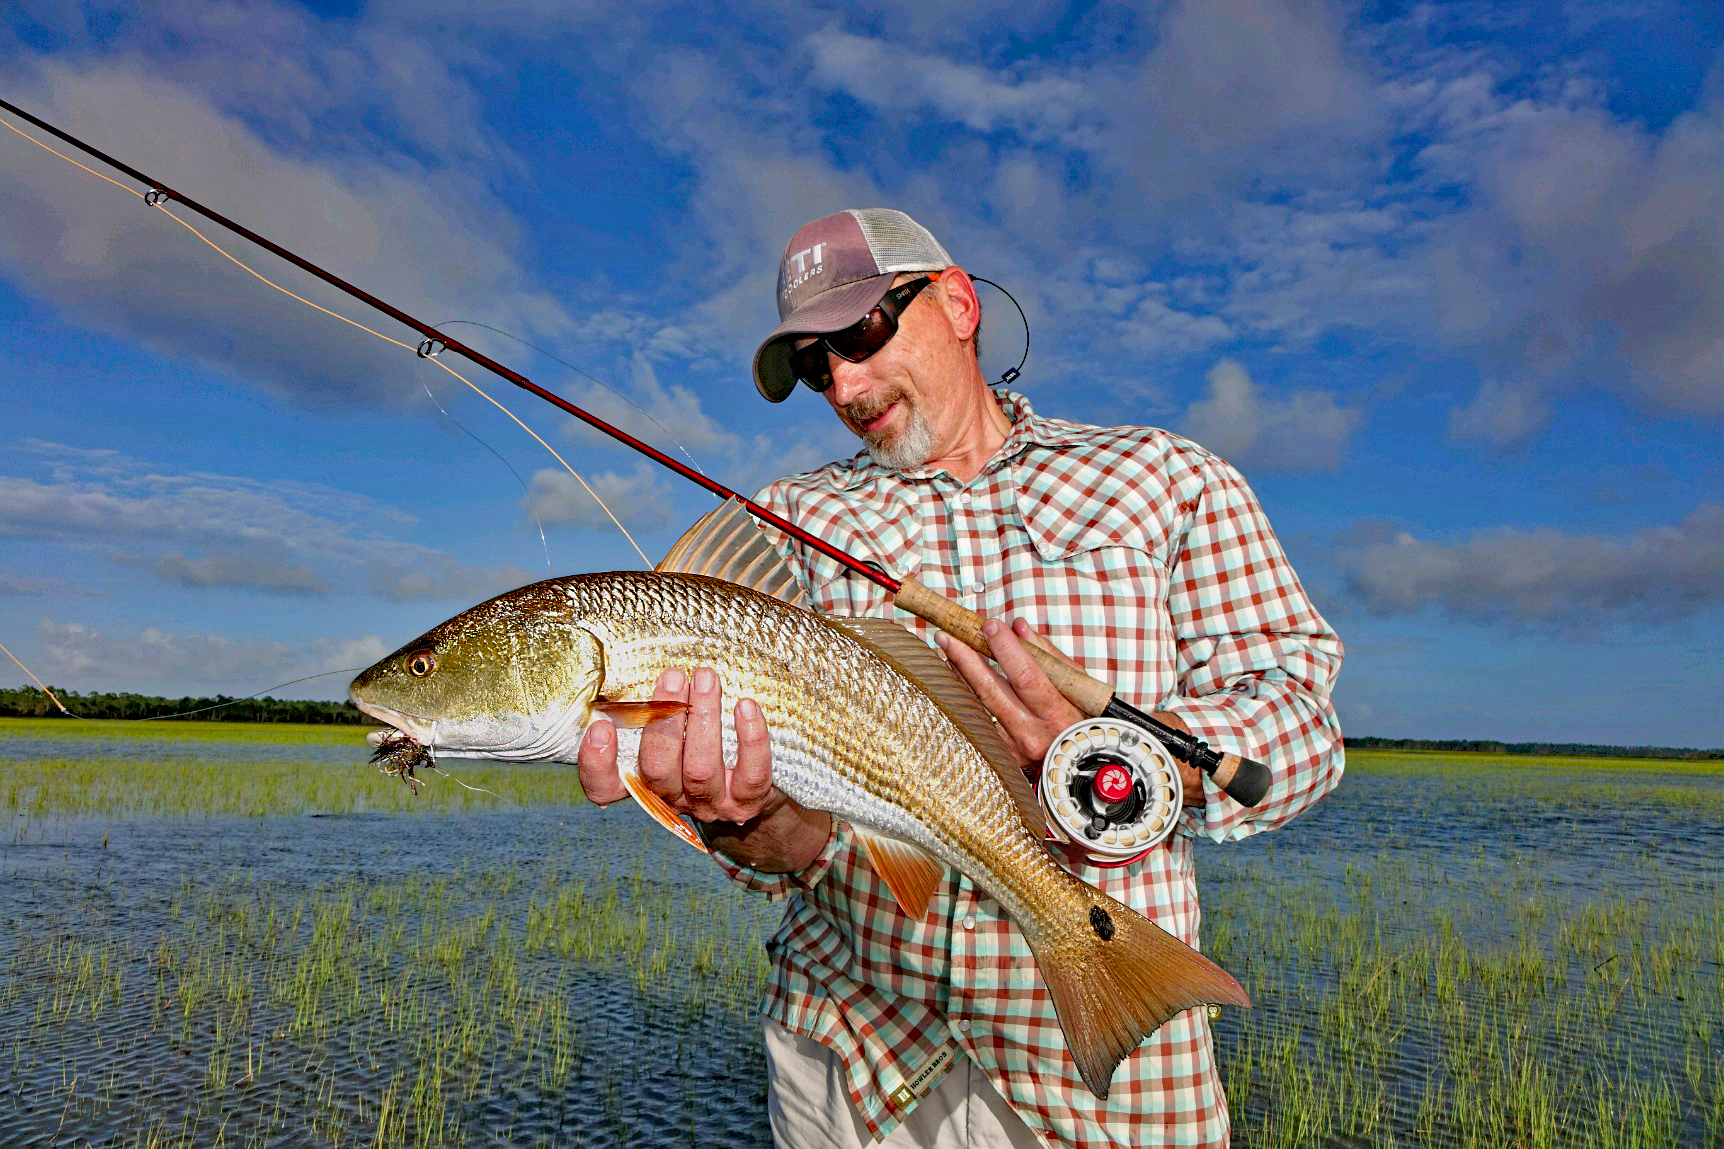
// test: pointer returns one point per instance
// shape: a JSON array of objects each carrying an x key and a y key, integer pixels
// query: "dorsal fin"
[
  {"x": 727, "y": 543},
  {"x": 921, "y": 662}
]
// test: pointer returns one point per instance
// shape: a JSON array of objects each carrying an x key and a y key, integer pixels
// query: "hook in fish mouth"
[{"x": 398, "y": 754}]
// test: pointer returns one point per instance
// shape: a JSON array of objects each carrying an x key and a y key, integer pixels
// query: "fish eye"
[{"x": 421, "y": 662}]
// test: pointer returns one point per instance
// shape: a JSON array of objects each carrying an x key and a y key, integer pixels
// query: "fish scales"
[{"x": 819, "y": 688}]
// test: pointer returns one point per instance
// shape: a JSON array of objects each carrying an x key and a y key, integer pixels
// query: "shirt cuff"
[
  {"x": 777, "y": 887},
  {"x": 1211, "y": 723}
]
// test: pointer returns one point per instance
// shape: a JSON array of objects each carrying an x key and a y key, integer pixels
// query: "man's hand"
[
  {"x": 1030, "y": 709},
  {"x": 682, "y": 761}
]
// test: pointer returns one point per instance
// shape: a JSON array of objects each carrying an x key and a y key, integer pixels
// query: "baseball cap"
[{"x": 834, "y": 271}]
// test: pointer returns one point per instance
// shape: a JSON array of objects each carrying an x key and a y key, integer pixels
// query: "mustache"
[{"x": 865, "y": 410}]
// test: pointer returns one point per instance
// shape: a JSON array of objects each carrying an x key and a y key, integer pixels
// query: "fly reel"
[{"x": 1111, "y": 791}]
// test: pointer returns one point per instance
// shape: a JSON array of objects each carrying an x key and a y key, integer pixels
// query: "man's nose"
[{"x": 849, "y": 380}]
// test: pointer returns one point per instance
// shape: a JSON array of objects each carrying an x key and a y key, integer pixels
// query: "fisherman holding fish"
[{"x": 1136, "y": 553}]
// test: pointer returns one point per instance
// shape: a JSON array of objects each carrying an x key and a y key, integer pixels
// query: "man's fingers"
[
  {"x": 1030, "y": 709},
  {"x": 597, "y": 763},
  {"x": 1031, "y": 637},
  {"x": 993, "y": 690},
  {"x": 661, "y": 741},
  {"x": 751, "y": 781},
  {"x": 703, "y": 780},
  {"x": 1029, "y": 680},
  {"x": 1191, "y": 785}
]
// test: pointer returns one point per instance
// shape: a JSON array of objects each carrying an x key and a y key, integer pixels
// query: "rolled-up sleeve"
[{"x": 1256, "y": 662}]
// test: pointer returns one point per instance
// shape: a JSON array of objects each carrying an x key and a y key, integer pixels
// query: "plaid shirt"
[{"x": 1148, "y": 560}]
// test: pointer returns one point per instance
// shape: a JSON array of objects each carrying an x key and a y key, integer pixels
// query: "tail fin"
[{"x": 1116, "y": 978}]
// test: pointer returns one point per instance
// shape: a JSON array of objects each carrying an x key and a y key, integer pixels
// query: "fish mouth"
[{"x": 401, "y": 725}]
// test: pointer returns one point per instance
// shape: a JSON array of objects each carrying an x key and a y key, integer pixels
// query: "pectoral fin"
[
  {"x": 659, "y": 810},
  {"x": 634, "y": 715},
  {"x": 911, "y": 875}
]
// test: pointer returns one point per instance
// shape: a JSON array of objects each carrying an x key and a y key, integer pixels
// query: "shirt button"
[
  {"x": 970, "y": 922},
  {"x": 963, "y": 496},
  {"x": 978, "y": 587},
  {"x": 964, "y": 1025}
]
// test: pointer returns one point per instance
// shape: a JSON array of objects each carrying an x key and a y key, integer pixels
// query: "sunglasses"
[{"x": 858, "y": 341}]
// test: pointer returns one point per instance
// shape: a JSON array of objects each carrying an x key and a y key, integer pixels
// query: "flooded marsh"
[{"x": 225, "y": 935}]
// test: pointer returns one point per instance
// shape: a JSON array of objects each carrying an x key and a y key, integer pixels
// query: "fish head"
[{"x": 512, "y": 678}]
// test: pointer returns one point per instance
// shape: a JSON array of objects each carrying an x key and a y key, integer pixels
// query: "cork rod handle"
[{"x": 1090, "y": 695}]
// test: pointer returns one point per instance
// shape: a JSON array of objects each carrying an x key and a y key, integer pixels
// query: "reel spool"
[{"x": 1110, "y": 790}]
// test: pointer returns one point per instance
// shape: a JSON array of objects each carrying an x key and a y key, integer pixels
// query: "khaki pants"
[{"x": 809, "y": 1105}]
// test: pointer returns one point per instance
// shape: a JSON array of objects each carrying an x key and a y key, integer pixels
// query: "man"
[{"x": 1136, "y": 553}]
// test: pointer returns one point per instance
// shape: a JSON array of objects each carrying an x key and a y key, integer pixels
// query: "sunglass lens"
[
  {"x": 810, "y": 365},
  {"x": 861, "y": 339}
]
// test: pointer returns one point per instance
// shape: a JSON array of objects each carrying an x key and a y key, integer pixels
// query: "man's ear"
[{"x": 958, "y": 297}]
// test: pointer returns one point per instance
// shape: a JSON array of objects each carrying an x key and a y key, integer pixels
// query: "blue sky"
[{"x": 1446, "y": 281}]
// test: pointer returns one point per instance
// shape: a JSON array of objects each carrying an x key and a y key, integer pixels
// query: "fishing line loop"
[
  {"x": 156, "y": 196},
  {"x": 431, "y": 348},
  {"x": 1011, "y": 372}
]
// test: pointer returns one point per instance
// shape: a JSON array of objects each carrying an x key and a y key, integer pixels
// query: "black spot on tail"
[{"x": 1101, "y": 923}]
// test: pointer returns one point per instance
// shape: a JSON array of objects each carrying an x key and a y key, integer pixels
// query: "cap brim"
[{"x": 829, "y": 311}]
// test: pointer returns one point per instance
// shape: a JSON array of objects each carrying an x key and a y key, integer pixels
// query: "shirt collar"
[{"x": 1028, "y": 430}]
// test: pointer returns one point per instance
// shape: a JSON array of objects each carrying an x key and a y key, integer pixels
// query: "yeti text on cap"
[{"x": 807, "y": 263}]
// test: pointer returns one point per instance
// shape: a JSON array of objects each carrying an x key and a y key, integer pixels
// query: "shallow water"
[
  {"x": 137, "y": 885},
  {"x": 1489, "y": 855},
  {"x": 1550, "y": 894},
  {"x": 216, "y": 751}
]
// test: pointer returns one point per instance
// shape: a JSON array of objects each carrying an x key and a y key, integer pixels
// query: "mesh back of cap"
[{"x": 898, "y": 242}]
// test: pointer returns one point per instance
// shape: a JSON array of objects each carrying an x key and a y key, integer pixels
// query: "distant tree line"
[
  {"x": 1550, "y": 749},
  {"x": 29, "y": 702}
]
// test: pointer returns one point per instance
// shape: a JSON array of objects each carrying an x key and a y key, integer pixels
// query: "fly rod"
[{"x": 1242, "y": 779}]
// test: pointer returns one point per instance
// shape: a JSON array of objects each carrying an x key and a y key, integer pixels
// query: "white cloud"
[
  {"x": 411, "y": 577},
  {"x": 1307, "y": 430},
  {"x": 144, "y": 659},
  {"x": 1273, "y": 170},
  {"x": 641, "y": 498},
  {"x": 199, "y": 529},
  {"x": 408, "y": 233},
  {"x": 1233, "y": 89},
  {"x": 1500, "y": 415},
  {"x": 898, "y": 80},
  {"x": 1592, "y": 253},
  {"x": 27, "y": 586},
  {"x": 237, "y": 570},
  {"x": 1542, "y": 576},
  {"x": 666, "y": 416}
]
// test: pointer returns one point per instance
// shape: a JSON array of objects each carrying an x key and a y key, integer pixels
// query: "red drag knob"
[{"x": 1113, "y": 782}]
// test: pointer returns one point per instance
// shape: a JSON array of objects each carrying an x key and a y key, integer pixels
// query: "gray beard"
[{"x": 912, "y": 448}]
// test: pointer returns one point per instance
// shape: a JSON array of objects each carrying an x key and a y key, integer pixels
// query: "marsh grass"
[
  {"x": 385, "y": 1012},
  {"x": 1433, "y": 964},
  {"x": 79, "y": 730},
  {"x": 1430, "y": 994},
  {"x": 190, "y": 788},
  {"x": 183, "y": 783}
]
